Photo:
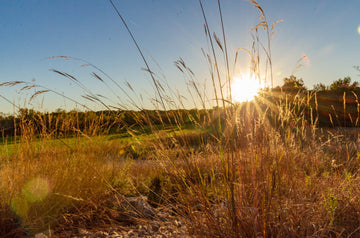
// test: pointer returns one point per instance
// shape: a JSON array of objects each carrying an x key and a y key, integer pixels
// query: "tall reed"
[{"x": 255, "y": 169}]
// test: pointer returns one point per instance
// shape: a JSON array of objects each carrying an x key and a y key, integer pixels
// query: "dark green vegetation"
[
  {"x": 336, "y": 105},
  {"x": 64, "y": 124}
]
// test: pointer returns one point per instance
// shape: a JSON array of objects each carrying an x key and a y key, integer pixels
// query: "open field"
[
  {"x": 283, "y": 163},
  {"x": 261, "y": 181}
]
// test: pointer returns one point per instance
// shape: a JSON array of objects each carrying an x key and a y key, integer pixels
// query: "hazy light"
[
  {"x": 20, "y": 206},
  {"x": 358, "y": 29},
  {"x": 35, "y": 190},
  {"x": 245, "y": 88}
]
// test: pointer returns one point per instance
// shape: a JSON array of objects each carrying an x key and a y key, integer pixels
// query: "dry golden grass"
[
  {"x": 263, "y": 181},
  {"x": 259, "y": 169}
]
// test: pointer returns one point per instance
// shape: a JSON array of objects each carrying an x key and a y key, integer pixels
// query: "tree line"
[
  {"x": 334, "y": 105},
  {"x": 63, "y": 124},
  {"x": 329, "y": 106}
]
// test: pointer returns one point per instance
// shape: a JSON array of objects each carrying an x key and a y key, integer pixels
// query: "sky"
[{"x": 34, "y": 32}]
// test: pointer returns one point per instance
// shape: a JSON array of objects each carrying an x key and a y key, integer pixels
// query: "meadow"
[
  {"x": 256, "y": 177},
  {"x": 261, "y": 168}
]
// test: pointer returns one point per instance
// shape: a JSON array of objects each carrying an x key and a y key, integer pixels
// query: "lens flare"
[
  {"x": 245, "y": 88},
  {"x": 306, "y": 60},
  {"x": 19, "y": 206},
  {"x": 36, "y": 190}
]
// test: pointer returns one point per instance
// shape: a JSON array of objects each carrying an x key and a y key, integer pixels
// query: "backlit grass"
[{"x": 262, "y": 168}]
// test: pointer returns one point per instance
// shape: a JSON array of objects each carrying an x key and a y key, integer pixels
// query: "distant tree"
[
  {"x": 357, "y": 68},
  {"x": 59, "y": 111},
  {"x": 319, "y": 87},
  {"x": 343, "y": 84},
  {"x": 293, "y": 84},
  {"x": 27, "y": 114}
]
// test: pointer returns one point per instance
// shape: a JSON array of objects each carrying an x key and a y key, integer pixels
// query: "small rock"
[
  {"x": 142, "y": 206},
  {"x": 40, "y": 235},
  {"x": 44, "y": 234}
]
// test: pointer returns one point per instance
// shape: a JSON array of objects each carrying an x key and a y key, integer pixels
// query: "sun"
[{"x": 245, "y": 88}]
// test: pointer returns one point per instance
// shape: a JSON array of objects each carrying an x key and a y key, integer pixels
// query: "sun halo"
[{"x": 245, "y": 88}]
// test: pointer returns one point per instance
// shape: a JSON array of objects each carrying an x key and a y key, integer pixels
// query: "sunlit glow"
[
  {"x": 36, "y": 190},
  {"x": 245, "y": 88},
  {"x": 359, "y": 29}
]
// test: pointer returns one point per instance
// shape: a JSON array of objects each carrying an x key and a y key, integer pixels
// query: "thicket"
[{"x": 61, "y": 123}]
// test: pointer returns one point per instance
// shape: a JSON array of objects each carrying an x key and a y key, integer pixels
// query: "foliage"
[
  {"x": 61, "y": 123},
  {"x": 319, "y": 87},
  {"x": 293, "y": 84},
  {"x": 343, "y": 85}
]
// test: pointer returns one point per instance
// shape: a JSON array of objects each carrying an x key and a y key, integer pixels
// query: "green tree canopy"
[
  {"x": 320, "y": 87},
  {"x": 293, "y": 84},
  {"x": 343, "y": 84}
]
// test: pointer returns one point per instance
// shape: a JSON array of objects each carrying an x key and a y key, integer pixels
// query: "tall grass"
[{"x": 254, "y": 169}]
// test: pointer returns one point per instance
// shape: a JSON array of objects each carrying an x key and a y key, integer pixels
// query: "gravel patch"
[{"x": 148, "y": 222}]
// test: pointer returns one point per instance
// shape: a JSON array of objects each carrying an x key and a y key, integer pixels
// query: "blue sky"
[{"x": 33, "y": 30}]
